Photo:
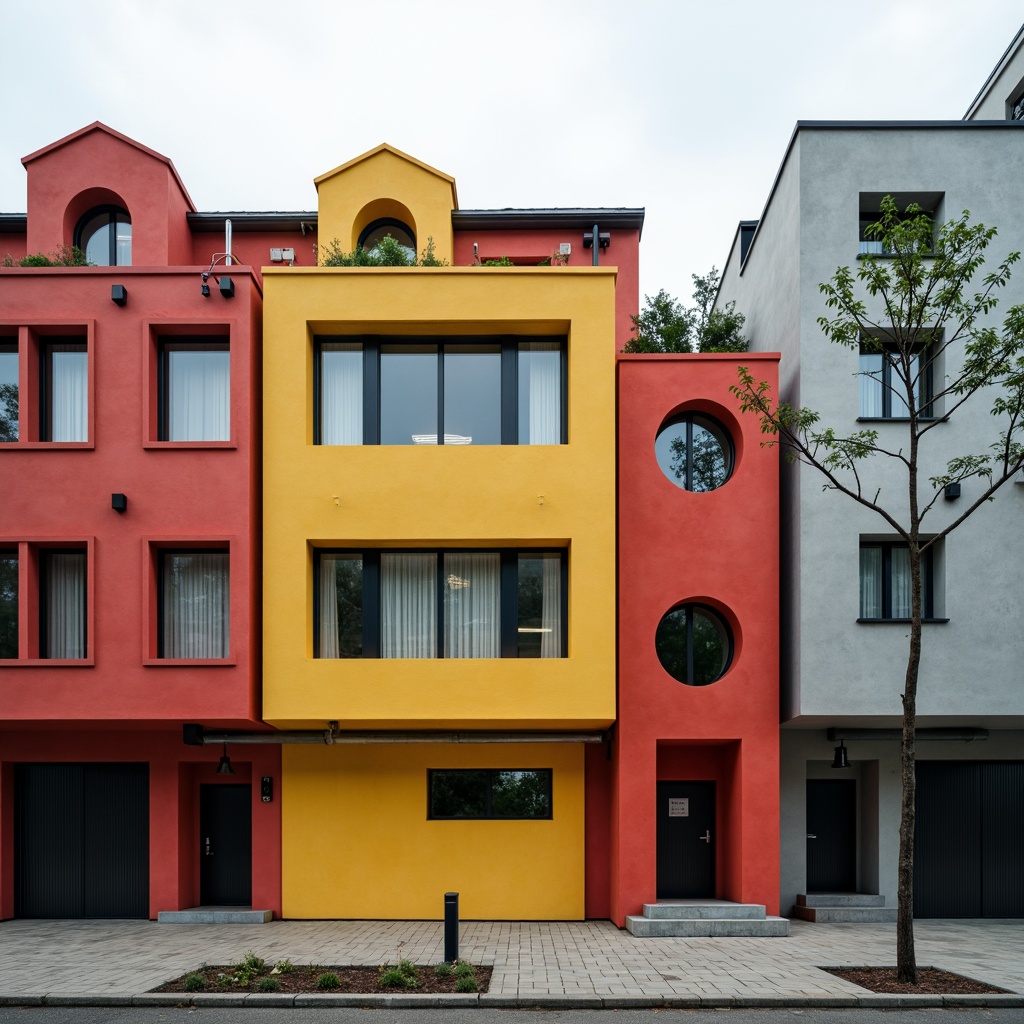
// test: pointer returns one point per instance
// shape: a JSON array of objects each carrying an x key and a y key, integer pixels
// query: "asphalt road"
[{"x": 328, "y": 1015}]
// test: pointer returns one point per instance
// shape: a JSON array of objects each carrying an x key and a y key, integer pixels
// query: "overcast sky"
[{"x": 679, "y": 106}]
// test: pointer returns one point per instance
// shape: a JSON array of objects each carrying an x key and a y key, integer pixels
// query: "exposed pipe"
[
  {"x": 597, "y": 244},
  {"x": 965, "y": 733},
  {"x": 227, "y": 242}
]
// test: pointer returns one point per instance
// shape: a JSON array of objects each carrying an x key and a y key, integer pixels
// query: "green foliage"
[
  {"x": 283, "y": 967},
  {"x": 328, "y": 981},
  {"x": 194, "y": 982},
  {"x": 248, "y": 969},
  {"x": 8, "y": 412},
  {"x": 408, "y": 968},
  {"x": 386, "y": 253},
  {"x": 466, "y": 983},
  {"x": 395, "y": 977},
  {"x": 444, "y": 970},
  {"x": 464, "y": 970},
  {"x": 503, "y": 261},
  {"x": 268, "y": 984},
  {"x": 62, "y": 256},
  {"x": 664, "y": 325}
]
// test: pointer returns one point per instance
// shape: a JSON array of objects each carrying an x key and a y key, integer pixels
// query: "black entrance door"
[
  {"x": 831, "y": 835},
  {"x": 225, "y": 836},
  {"x": 970, "y": 828},
  {"x": 686, "y": 840},
  {"x": 81, "y": 845}
]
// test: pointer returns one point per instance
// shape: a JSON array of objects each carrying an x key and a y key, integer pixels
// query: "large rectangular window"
[
  {"x": 451, "y": 604},
  {"x": 510, "y": 793},
  {"x": 194, "y": 605},
  {"x": 407, "y": 391},
  {"x": 885, "y": 584},
  {"x": 882, "y": 392},
  {"x": 65, "y": 399},
  {"x": 195, "y": 391},
  {"x": 8, "y": 604},
  {"x": 8, "y": 392},
  {"x": 62, "y": 632}
]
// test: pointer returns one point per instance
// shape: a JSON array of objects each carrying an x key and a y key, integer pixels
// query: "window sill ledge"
[
  {"x": 47, "y": 662},
  {"x": 898, "y": 419},
  {"x": 189, "y": 444},
  {"x": 13, "y": 446},
  {"x": 899, "y": 622},
  {"x": 188, "y": 662},
  {"x": 895, "y": 255}
]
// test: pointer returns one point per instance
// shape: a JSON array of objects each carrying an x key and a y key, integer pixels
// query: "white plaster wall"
[{"x": 1006, "y": 86}]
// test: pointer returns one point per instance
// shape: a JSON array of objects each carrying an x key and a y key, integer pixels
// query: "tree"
[
  {"x": 665, "y": 326},
  {"x": 917, "y": 309}
]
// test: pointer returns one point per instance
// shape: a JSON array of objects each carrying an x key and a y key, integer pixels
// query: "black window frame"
[
  {"x": 387, "y": 222},
  {"x": 509, "y": 597},
  {"x": 162, "y": 554},
  {"x": 9, "y": 346},
  {"x": 927, "y": 581},
  {"x": 70, "y": 343},
  {"x": 488, "y": 814},
  {"x": 925, "y": 380},
  {"x": 167, "y": 344},
  {"x": 718, "y": 430},
  {"x": 689, "y": 608},
  {"x": 508, "y": 344},
  {"x": 13, "y": 614},
  {"x": 43, "y": 559},
  {"x": 113, "y": 212}
]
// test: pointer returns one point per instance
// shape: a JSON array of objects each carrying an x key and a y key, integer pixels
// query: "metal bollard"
[{"x": 451, "y": 927}]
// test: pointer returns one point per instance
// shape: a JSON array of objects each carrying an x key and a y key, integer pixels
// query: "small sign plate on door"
[{"x": 679, "y": 807}]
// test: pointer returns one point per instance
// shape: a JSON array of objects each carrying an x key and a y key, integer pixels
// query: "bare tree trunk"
[{"x": 906, "y": 956}]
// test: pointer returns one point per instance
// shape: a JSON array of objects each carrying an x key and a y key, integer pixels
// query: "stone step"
[
  {"x": 840, "y": 899},
  {"x": 835, "y": 915},
  {"x": 689, "y": 910},
  {"x": 215, "y": 915},
  {"x": 766, "y": 927}
]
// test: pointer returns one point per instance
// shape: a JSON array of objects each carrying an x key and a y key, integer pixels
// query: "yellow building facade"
[{"x": 439, "y": 562}]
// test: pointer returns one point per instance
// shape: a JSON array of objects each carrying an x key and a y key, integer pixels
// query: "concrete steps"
[
  {"x": 215, "y": 915},
  {"x": 833, "y": 907},
  {"x": 705, "y": 918}
]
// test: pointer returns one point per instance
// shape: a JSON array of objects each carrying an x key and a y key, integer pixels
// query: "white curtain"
[
  {"x": 329, "y": 647},
  {"x": 341, "y": 393},
  {"x": 69, "y": 393},
  {"x": 472, "y": 607},
  {"x": 408, "y": 587},
  {"x": 65, "y": 605},
  {"x": 198, "y": 395},
  {"x": 870, "y": 583},
  {"x": 540, "y": 377},
  {"x": 551, "y": 621},
  {"x": 870, "y": 385},
  {"x": 196, "y": 611},
  {"x": 901, "y": 583}
]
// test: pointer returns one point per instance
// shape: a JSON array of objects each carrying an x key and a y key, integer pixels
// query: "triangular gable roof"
[
  {"x": 101, "y": 127},
  {"x": 386, "y": 148},
  {"x": 1015, "y": 43}
]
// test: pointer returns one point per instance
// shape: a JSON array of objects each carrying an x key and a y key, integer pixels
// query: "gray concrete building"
[{"x": 844, "y": 656}]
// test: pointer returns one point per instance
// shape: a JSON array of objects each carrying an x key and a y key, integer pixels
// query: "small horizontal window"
[
  {"x": 195, "y": 390},
  {"x": 194, "y": 604},
  {"x": 508, "y": 793},
  {"x": 885, "y": 583},
  {"x": 428, "y": 391},
  {"x": 885, "y": 386},
  {"x": 450, "y": 604}
]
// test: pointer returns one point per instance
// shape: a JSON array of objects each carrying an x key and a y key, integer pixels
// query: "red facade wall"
[{"x": 718, "y": 548}]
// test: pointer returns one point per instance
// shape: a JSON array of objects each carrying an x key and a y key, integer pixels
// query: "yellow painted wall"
[
  {"x": 386, "y": 183},
  {"x": 357, "y": 842},
  {"x": 445, "y": 496}
]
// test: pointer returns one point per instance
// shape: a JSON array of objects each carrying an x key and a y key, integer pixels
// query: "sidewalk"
[{"x": 559, "y": 964}]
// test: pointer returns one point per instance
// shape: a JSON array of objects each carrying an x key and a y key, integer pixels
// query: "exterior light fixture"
[
  {"x": 227, "y": 287},
  {"x": 206, "y": 287},
  {"x": 119, "y": 502},
  {"x": 119, "y": 294},
  {"x": 839, "y": 761},
  {"x": 224, "y": 767}
]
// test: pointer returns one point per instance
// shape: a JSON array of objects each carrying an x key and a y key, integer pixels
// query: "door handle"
[
  {"x": 208, "y": 851},
  {"x": 811, "y": 835},
  {"x": 706, "y": 838}
]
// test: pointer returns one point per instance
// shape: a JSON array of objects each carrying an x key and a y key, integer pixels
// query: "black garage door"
[
  {"x": 81, "y": 840},
  {"x": 970, "y": 833}
]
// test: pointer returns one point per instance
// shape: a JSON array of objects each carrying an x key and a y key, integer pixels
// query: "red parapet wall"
[{"x": 711, "y": 549}]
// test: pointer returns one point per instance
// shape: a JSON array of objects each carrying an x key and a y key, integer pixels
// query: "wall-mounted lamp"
[
  {"x": 224, "y": 766},
  {"x": 227, "y": 286},
  {"x": 841, "y": 760},
  {"x": 119, "y": 294},
  {"x": 119, "y": 502},
  {"x": 952, "y": 491},
  {"x": 604, "y": 239}
]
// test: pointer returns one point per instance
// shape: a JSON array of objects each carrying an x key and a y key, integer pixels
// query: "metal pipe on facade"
[
  {"x": 227, "y": 242},
  {"x": 597, "y": 244}
]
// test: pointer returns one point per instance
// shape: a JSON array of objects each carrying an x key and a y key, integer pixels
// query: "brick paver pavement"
[{"x": 533, "y": 962}]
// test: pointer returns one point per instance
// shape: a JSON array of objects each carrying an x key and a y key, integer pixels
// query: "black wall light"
[
  {"x": 119, "y": 294},
  {"x": 224, "y": 765},
  {"x": 841, "y": 760},
  {"x": 119, "y": 502}
]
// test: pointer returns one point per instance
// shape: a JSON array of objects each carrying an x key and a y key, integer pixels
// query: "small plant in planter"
[
  {"x": 444, "y": 969},
  {"x": 268, "y": 984},
  {"x": 328, "y": 981},
  {"x": 464, "y": 970},
  {"x": 194, "y": 982},
  {"x": 466, "y": 983}
]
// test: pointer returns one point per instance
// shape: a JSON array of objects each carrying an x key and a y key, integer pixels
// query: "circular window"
[
  {"x": 105, "y": 236},
  {"x": 695, "y": 452},
  {"x": 694, "y": 644},
  {"x": 374, "y": 233}
]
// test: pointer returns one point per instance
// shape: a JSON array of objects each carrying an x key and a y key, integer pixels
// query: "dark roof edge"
[
  {"x": 909, "y": 124},
  {"x": 13, "y": 223},
  {"x": 995, "y": 72},
  {"x": 581, "y": 217},
  {"x": 247, "y": 221}
]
